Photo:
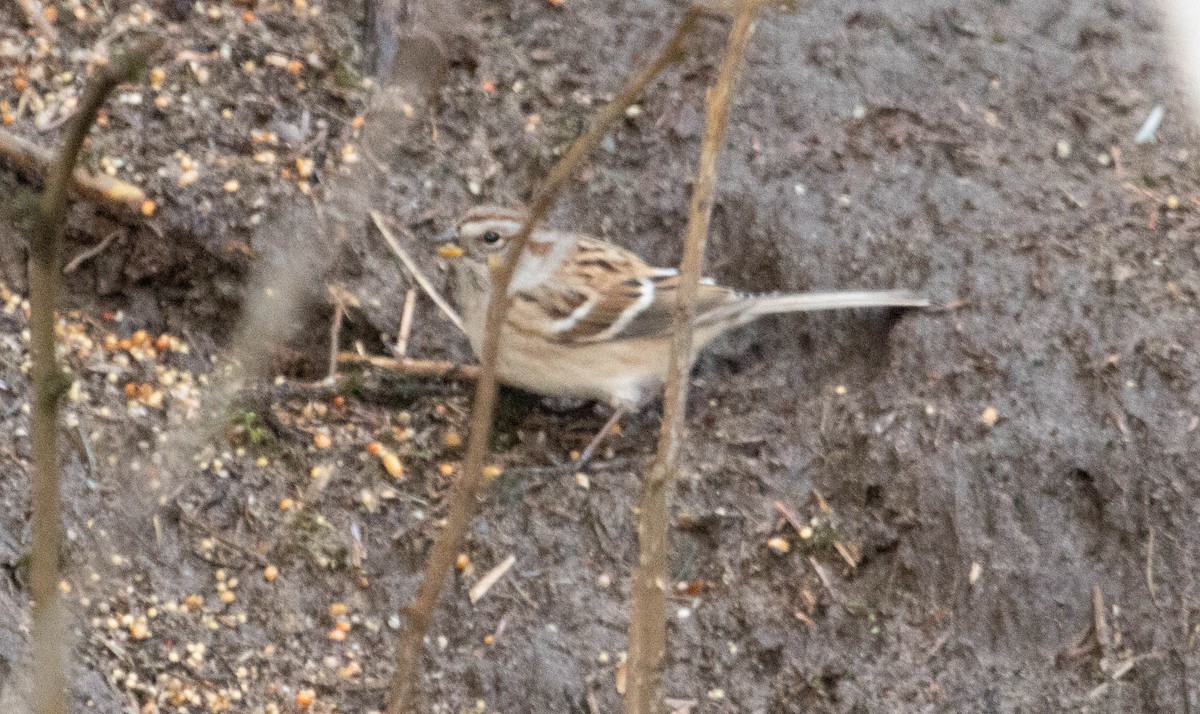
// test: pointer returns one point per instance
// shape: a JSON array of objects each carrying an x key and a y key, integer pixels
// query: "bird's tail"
[{"x": 755, "y": 306}]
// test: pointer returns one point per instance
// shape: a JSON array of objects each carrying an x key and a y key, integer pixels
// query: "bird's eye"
[{"x": 491, "y": 237}]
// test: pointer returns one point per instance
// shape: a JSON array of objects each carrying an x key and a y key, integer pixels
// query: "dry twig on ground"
[
  {"x": 122, "y": 199},
  {"x": 49, "y": 632},
  {"x": 648, "y": 619},
  {"x": 411, "y": 265},
  {"x": 424, "y": 368},
  {"x": 405, "y": 691}
]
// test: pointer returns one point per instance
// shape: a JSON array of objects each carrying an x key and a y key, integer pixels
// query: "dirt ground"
[{"x": 996, "y": 497}]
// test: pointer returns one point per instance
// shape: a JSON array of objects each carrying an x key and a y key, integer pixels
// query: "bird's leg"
[{"x": 590, "y": 450}]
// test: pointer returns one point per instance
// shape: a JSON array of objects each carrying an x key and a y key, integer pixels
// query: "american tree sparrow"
[{"x": 589, "y": 319}]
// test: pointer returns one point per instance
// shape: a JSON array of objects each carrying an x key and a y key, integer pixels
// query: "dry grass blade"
[
  {"x": 405, "y": 691},
  {"x": 49, "y": 632},
  {"x": 406, "y": 323},
  {"x": 415, "y": 271},
  {"x": 648, "y": 619}
]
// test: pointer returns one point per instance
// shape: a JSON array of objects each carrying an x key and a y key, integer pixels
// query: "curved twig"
[{"x": 50, "y": 642}]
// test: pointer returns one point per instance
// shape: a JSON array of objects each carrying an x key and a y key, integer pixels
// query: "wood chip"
[{"x": 481, "y": 588}]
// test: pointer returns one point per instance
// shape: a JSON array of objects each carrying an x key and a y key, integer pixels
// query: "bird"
[{"x": 589, "y": 319}]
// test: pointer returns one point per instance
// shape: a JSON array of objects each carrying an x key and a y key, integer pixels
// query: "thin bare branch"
[
  {"x": 648, "y": 619},
  {"x": 405, "y": 693},
  {"x": 49, "y": 632},
  {"x": 415, "y": 271}
]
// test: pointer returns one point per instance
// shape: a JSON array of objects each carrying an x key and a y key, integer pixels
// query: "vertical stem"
[
  {"x": 49, "y": 632},
  {"x": 648, "y": 619},
  {"x": 405, "y": 691}
]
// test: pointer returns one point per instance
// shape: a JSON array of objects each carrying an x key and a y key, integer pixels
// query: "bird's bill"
[
  {"x": 450, "y": 250},
  {"x": 447, "y": 249}
]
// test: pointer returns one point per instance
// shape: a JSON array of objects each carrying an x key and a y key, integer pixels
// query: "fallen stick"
[
  {"x": 427, "y": 368},
  {"x": 411, "y": 265},
  {"x": 36, "y": 161}
]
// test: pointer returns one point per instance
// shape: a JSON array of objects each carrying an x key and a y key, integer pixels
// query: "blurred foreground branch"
[
  {"x": 405, "y": 692},
  {"x": 50, "y": 642},
  {"x": 648, "y": 619}
]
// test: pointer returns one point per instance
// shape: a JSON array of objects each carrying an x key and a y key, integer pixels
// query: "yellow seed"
[
  {"x": 338, "y": 609},
  {"x": 139, "y": 630},
  {"x": 452, "y": 440},
  {"x": 227, "y": 596},
  {"x": 488, "y": 639},
  {"x": 232, "y": 186},
  {"x": 148, "y": 208},
  {"x": 286, "y": 504},
  {"x": 391, "y": 464},
  {"x": 445, "y": 469},
  {"x": 305, "y": 698},
  {"x": 270, "y": 573},
  {"x": 322, "y": 440},
  {"x": 779, "y": 545},
  {"x": 462, "y": 562},
  {"x": 492, "y": 472}
]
